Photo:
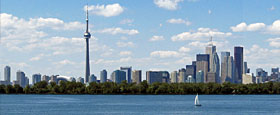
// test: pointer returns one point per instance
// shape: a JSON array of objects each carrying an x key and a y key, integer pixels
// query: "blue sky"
[{"x": 46, "y": 37}]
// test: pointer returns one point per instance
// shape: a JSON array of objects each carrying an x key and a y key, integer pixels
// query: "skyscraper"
[
  {"x": 223, "y": 55},
  {"x": 137, "y": 76},
  {"x": 238, "y": 62},
  {"x": 103, "y": 76},
  {"x": 191, "y": 70},
  {"x": 87, "y": 37},
  {"x": 118, "y": 76},
  {"x": 127, "y": 70},
  {"x": 214, "y": 62},
  {"x": 80, "y": 79},
  {"x": 21, "y": 78},
  {"x": 36, "y": 78},
  {"x": 174, "y": 77},
  {"x": 227, "y": 72},
  {"x": 199, "y": 77},
  {"x": 202, "y": 63},
  {"x": 92, "y": 78},
  {"x": 182, "y": 76},
  {"x": 245, "y": 68},
  {"x": 157, "y": 76},
  {"x": 7, "y": 74}
]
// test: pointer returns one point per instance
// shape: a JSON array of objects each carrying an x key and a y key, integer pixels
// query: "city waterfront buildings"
[
  {"x": 137, "y": 76},
  {"x": 127, "y": 70},
  {"x": 238, "y": 62},
  {"x": 103, "y": 76}
]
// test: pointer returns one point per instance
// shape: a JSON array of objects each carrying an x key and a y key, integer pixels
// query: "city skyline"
[{"x": 156, "y": 44}]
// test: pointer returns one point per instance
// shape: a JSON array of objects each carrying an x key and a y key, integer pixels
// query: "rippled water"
[{"x": 139, "y": 104}]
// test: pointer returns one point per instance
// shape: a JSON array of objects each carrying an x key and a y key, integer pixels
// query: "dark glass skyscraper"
[
  {"x": 87, "y": 37},
  {"x": 202, "y": 64},
  {"x": 238, "y": 62},
  {"x": 7, "y": 74},
  {"x": 127, "y": 70}
]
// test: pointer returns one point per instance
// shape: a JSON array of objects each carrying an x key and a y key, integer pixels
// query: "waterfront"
[{"x": 138, "y": 104}]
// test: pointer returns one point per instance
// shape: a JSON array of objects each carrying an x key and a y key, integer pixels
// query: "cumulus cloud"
[
  {"x": 168, "y": 4},
  {"x": 115, "y": 31},
  {"x": 274, "y": 28},
  {"x": 65, "y": 62},
  {"x": 179, "y": 21},
  {"x": 156, "y": 38},
  {"x": 209, "y": 12},
  {"x": 200, "y": 34},
  {"x": 125, "y": 44},
  {"x": 184, "y": 49},
  {"x": 105, "y": 10},
  {"x": 274, "y": 42},
  {"x": 164, "y": 54},
  {"x": 126, "y": 21}
]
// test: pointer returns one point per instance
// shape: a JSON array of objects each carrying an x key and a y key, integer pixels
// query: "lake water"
[{"x": 139, "y": 104}]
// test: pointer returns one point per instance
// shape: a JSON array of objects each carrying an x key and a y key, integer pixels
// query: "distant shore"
[{"x": 110, "y": 88}]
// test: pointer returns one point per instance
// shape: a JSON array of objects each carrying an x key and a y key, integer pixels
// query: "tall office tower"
[
  {"x": 174, "y": 77},
  {"x": 36, "y": 78},
  {"x": 45, "y": 78},
  {"x": 103, "y": 76},
  {"x": 21, "y": 78},
  {"x": 245, "y": 68},
  {"x": 274, "y": 70},
  {"x": 92, "y": 78},
  {"x": 137, "y": 76},
  {"x": 26, "y": 81},
  {"x": 190, "y": 79},
  {"x": 127, "y": 70},
  {"x": 182, "y": 76},
  {"x": 202, "y": 63},
  {"x": 214, "y": 63},
  {"x": 118, "y": 76},
  {"x": 238, "y": 62},
  {"x": 87, "y": 37},
  {"x": 191, "y": 70},
  {"x": 228, "y": 70},
  {"x": 157, "y": 76},
  {"x": 54, "y": 78},
  {"x": 223, "y": 55},
  {"x": 262, "y": 74},
  {"x": 199, "y": 77},
  {"x": 80, "y": 79},
  {"x": 7, "y": 74}
]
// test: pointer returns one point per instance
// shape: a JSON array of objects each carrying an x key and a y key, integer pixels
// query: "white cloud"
[
  {"x": 168, "y": 4},
  {"x": 179, "y": 21},
  {"x": 156, "y": 38},
  {"x": 125, "y": 44},
  {"x": 125, "y": 53},
  {"x": 272, "y": 8},
  {"x": 274, "y": 42},
  {"x": 164, "y": 54},
  {"x": 244, "y": 27},
  {"x": 36, "y": 58},
  {"x": 270, "y": 29},
  {"x": 184, "y": 49},
  {"x": 107, "y": 11},
  {"x": 200, "y": 34},
  {"x": 66, "y": 62},
  {"x": 114, "y": 31}
]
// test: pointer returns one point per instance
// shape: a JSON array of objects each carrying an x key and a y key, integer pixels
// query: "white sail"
[{"x": 196, "y": 101}]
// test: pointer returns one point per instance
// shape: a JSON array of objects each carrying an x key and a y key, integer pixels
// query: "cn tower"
[{"x": 87, "y": 37}]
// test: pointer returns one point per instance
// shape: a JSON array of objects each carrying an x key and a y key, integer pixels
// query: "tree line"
[{"x": 142, "y": 88}]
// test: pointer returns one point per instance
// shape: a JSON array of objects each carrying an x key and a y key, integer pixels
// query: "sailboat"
[{"x": 196, "y": 101}]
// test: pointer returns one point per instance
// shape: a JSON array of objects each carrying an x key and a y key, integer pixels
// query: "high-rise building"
[
  {"x": 202, "y": 63},
  {"x": 7, "y": 74},
  {"x": 275, "y": 70},
  {"x": 262, "y": 74},
  {"x": 247, "y": 79},
  {"x": 245, "y": 68},
  {"x": 214, "y": 62},
  {"x": 157, "y": 76},
  {"x": 238, "y": 62},
  {"x": 45, "y": 78},
  {"x": 54, "y": 78},
  {"x": 26, "y": 79},
  {"x": 227, "y": 72},
  {"x": 21, "y": 78},
  {"x": 191, "y": 70},
  {"x": 87, "y": 37},
  {"x": 199, "y": 77},
  {"x": 211, "y": 77},
  {"x": 118, "y": 76},
  {"x": 182, "y": 76},
  {"x": 137, "y": 76},
  {"x": 103, "y": 76},
  {"x": 223, "y": 55},
  {"x": 36, "y": 78},
  {"x": 92, "y": 78},
  {"x": 127, "y": 70},
  {"x": 190, "y": 79},
  {"x": 80, "y": 79},
  {"x": 174, "y": 77}
]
